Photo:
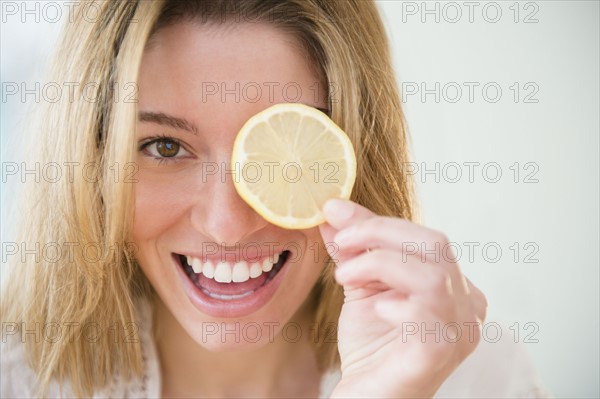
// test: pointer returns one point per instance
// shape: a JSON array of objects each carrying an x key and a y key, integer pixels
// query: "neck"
[{"x": 276, "y": 369}]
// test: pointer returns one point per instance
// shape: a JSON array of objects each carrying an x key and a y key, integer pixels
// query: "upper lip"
[{"x": 221, "y": 254}]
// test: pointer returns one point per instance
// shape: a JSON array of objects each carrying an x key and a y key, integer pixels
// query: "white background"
[{"x": 553, "y": 140}]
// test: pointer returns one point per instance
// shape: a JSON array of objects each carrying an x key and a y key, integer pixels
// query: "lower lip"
[{"x": 235, "y": 307}]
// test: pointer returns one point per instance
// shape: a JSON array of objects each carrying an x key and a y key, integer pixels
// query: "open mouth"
[{"x": 229, "y": 281}]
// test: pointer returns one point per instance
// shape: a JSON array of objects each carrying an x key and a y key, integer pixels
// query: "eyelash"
[{"x": 156, "y": 139}]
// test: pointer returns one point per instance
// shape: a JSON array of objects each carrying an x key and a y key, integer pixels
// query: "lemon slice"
[{"x": 289, "y": 160}]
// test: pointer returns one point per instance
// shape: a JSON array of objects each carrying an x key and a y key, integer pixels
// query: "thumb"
[
  {"x": 327, "y": 233},
  {"x": 340, "y": 214},
  {"x": 344, "y": 213}
]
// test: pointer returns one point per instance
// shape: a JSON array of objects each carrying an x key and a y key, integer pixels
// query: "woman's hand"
[{"x": 410, "y": 317}]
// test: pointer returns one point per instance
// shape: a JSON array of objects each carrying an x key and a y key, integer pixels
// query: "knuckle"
[
  {"x": 375, "y": 256},
  {"x": 372, "y": 224},
  {"x": 442, "y": 349},
  {"x": 474, "y": 335},
  {"x": 483, "y": 308},
  {"x": 435, "y": 236},
  {"x": 413, "y": 313},
  {"x": 484, "y": 301},
  {"x": 439, "y": 282},
  {"x": 474, "y": 341}
]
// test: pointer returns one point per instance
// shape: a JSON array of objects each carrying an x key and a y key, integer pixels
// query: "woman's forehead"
[
  {"x": 226, "y": 62},
  {"x": 254, "y": 43}
]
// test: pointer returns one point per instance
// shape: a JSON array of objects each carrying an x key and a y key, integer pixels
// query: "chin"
[
  {"x": 240, "y": 303},
  {"x": 234, "y": 336}
]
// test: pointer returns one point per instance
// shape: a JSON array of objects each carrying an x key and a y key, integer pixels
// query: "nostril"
[{"x": 221, "y": 221}]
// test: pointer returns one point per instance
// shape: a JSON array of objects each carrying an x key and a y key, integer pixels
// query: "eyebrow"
[
  {"x": 181, "y": 123},
  {"x": 168, "y": 120}
]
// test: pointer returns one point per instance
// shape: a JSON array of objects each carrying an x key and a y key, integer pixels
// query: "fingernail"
[{"x": 338, "y": 209}]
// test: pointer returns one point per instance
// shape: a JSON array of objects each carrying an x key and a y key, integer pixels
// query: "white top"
[{"x": 494, "y": 370}]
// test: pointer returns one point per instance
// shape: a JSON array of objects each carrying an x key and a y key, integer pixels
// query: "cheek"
[
  {"x": 151, "y": 201},
  {"x": 312, "y": 261},
  {"x": 316, "y": 251}
]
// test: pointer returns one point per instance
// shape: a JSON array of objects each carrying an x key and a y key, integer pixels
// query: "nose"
[{"x": 221, "y": 214}]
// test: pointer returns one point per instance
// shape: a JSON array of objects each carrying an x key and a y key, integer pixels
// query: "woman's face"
[{"x": 198, "y": 85}]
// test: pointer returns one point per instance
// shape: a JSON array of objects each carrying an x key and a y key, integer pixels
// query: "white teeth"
[
  {"x": 267, "y": 265},
  {"x": 240, "y": 272},
  {"x": 255, "y": 270},
  {"x": 223, "y": 272},
  {"x": 196, "y": 265},
  {"x": 208, "y": 269},
  {"x": 226, "y": 297}
]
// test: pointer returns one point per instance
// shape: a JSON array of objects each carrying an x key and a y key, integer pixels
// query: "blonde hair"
[{"x": 348, "y": 42}]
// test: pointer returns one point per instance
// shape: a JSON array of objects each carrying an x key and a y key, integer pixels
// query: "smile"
[
  {"x": 226, "y": 272},
  {"x": 220, "y": 287}
]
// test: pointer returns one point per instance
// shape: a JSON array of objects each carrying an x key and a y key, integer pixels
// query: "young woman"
[{"x": 340, "y": 310}]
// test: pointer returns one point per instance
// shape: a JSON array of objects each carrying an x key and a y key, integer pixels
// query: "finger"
[
  {"x": 430, "y": 246},
  {"x": 400, "y": 234},
  {"x": 327, "y": 233},
  {"x": 479, "y": 300},
  {"x": 333, "y": 249},
  {"x": 405, "y": 274},
  {"x": 343, "y": 213},
  {"x": 370, "y": 289},
  {"x": 403, "y": 271},
  {"x": 401, "y": 312}
]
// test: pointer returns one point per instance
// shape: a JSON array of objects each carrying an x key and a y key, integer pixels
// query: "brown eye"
[
  {"x": 167, "y": 148},
  {"x": 164, "y": 149}
]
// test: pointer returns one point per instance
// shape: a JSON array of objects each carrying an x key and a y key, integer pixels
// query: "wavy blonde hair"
[{"x": 348, "y": 43}]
